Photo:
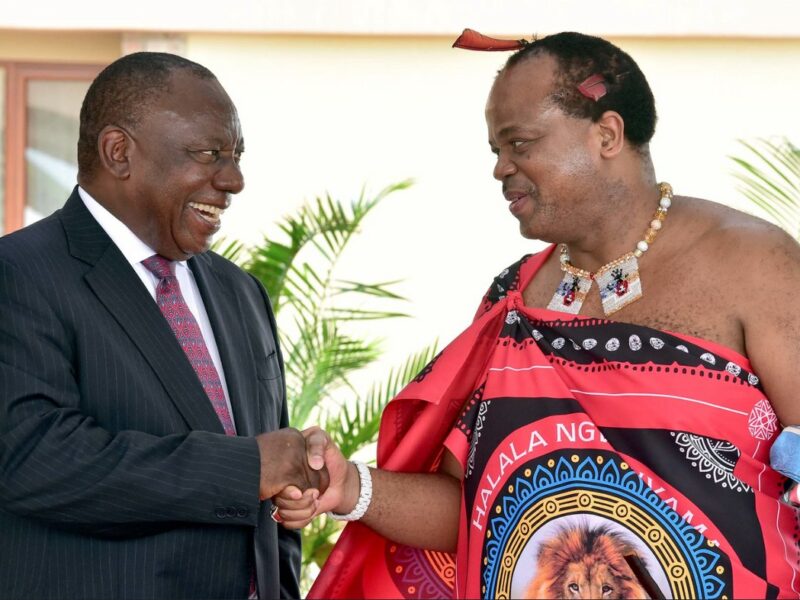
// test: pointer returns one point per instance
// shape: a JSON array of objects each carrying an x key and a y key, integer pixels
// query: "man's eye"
[
  {"x": 517, "y": 144},
  {"x": 205, "y": 156}
]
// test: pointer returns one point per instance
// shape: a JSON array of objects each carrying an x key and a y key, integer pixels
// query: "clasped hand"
[{"x": 305, "y": 474}]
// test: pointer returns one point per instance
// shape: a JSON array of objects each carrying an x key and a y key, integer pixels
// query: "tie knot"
[{"x": 159, "y": 266}]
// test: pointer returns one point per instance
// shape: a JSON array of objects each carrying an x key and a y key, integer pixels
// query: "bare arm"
[
  {"x": 415, "y": 509},
  {"x": 771, "y": 319}
]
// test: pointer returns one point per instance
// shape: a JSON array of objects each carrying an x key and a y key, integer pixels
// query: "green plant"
[
  {"x": 770, "y": 178},
  {"x": 316, "y": 312}
]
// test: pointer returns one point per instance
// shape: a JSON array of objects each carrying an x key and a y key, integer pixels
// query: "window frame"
[{"x": 18, "y": 74}]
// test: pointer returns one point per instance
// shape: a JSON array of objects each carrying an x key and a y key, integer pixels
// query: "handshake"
[{"x": 305, "y": 475}]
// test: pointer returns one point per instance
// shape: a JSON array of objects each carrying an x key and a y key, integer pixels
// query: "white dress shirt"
[{"x": 135, "y": 251}]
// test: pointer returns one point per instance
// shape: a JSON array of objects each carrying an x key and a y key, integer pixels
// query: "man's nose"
[
  {"x": 229, "y": 178},
  {"x": 503, "y": 168}
]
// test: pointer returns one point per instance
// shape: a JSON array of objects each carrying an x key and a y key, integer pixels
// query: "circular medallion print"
[{"x": 582, "y": 523}]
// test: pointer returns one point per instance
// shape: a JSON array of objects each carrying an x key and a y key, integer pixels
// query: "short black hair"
[
  {"x": 579, "y": 56},
  {"x": 121, "y": 94}
]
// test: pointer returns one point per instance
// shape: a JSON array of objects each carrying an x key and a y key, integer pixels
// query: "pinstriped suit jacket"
[{"x": 116, "y": 480}]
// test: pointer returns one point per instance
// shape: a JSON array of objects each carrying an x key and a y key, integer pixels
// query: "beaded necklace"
[{"x": 618, "y": 280}]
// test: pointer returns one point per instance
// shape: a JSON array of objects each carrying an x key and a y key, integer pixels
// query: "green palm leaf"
[
  {"x": 769, "y": 177},
  {"x": 380, "y": 290},
  {"x": 233, "y": 250},
  {"x": 320, "y": 362}
]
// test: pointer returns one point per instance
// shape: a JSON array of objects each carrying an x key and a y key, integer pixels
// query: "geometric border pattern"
[
  {"x": 716, "y": 459},
  {"x": 421, "y": 573}
]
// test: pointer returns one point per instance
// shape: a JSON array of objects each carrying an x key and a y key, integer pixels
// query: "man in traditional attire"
[{"x": 603, "y": 429}]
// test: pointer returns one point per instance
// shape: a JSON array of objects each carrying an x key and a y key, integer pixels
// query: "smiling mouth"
[
  {"x": 516, "y": 202},
  {"x": 210, "y": 214}
]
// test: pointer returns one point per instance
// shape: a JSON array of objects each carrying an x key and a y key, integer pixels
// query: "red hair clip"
[
  {"x": 593, "y": 87},
  {"x": 472, "y": 40}
]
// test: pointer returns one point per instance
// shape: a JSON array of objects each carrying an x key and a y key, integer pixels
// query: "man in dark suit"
[{"x": 143, "y": 420}]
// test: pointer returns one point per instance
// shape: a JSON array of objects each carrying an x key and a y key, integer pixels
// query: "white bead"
[
  {"x": 665, "y": 202},
  {"x": 643, "y": 246},
  {"x": 655, "y": 224}
]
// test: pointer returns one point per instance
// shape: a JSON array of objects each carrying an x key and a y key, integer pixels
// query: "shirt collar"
[{"x": 133, "y": 249}]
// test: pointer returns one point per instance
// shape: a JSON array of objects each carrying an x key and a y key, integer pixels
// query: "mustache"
[{"x": 527, "y": 189}]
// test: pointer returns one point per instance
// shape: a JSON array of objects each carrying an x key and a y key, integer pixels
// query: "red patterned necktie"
[{"x": 183, "y": 324}]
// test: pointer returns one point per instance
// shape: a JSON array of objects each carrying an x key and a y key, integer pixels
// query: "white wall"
[{"x": 330, "y": 113}]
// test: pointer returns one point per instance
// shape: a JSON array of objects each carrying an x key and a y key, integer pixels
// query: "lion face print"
[{"x": 585, "y": 562}]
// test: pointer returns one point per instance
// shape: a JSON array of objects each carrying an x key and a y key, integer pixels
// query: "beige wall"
[
  {"x": 61, "y": 46},
  {"x": 332, "y": 113}
]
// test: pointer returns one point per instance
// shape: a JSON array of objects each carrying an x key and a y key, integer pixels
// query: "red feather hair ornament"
[{"x": 472, "y": 40}]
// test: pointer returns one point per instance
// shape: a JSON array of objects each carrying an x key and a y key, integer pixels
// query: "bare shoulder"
[
  {"x": 734, "y": 242},
  {"x": 759, "y": 267},
  {"x": 740, "y": 264},
  {"x": 756, "y": 267}
]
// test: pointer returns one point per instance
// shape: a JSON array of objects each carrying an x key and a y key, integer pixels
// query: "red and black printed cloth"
[{"x": 583, "y": 441}]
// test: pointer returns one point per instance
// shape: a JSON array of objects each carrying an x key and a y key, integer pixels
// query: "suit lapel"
[
  {"x": 225, "y": 314},
  {"x": 119, "y": 289}
]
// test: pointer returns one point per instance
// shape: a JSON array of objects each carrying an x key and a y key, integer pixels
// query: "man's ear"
[
  {"x": 610, "y": 130},
  {"x": 114, "y": 145}
]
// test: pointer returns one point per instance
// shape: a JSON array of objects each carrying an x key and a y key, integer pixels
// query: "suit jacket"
[{"x": 116, "y": 479}]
